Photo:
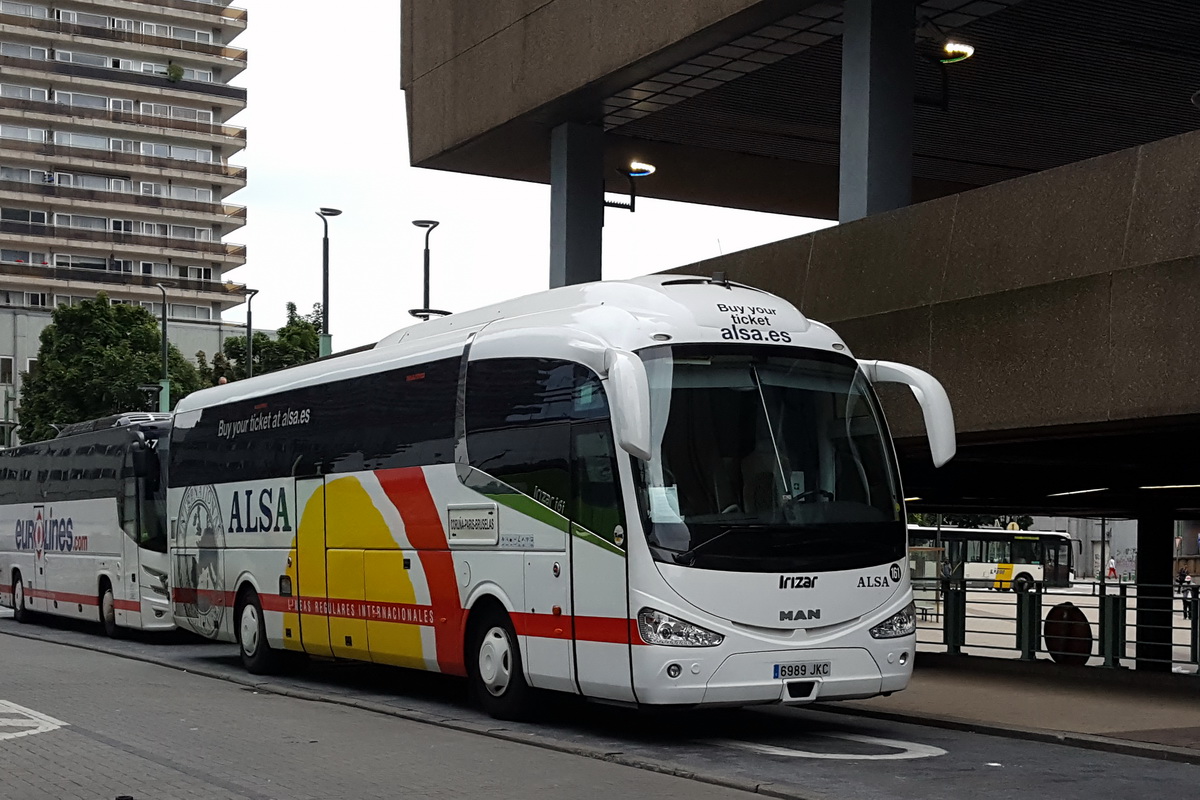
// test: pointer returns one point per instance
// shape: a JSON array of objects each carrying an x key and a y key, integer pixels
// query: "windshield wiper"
[{"x": 688, "y": 557}]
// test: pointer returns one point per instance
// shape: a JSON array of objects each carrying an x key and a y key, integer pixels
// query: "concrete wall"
[
  {"x": 1069, "y": 296},
  {"x": 469, "y": 66}
]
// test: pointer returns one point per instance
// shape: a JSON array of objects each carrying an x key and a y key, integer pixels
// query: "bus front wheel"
[
  {"x": 20, "y": 613},
  {"x": 494, "y": 665},
  {"x": 257, "y": 655},
  {"x": 108, "y": 611}
]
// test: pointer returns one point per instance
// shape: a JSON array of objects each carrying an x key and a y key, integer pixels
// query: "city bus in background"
[
  {"x": 84, "y": 525},
  {"x": 665, "y": 491},
  {"x": 996, "y": 558}
]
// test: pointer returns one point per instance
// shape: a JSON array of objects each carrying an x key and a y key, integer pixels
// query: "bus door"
[
  {"x": 127, "y": 573},
  {"x": 310, "y": 621},
  {"x": 39, "y": 577},
  {"x": 600, "y": 579}
]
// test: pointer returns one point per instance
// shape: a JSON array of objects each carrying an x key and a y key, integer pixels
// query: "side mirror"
[
  {"x": 629, "y": 401},
  {"x": 935, "y": 405}
]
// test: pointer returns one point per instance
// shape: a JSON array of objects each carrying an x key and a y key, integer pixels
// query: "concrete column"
[
  {"x": 878, "y": 62},
  {"x": 1155, "y": 545},
  {"x": 576, "y": 203}
]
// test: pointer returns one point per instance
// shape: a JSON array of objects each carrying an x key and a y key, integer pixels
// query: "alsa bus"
[
  {"x": 996, "y": 558},
  {"x": 670, "y": 490},
  {"x": 83, "y": 525}
]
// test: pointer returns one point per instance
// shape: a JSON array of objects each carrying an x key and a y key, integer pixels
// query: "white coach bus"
[
  {"x": 83, "y": 526},
  {"x": 670, "y": 490}
]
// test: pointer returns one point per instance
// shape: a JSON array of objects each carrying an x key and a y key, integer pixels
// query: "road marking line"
[
  {"x": 906, "y": 750},
  {"x": 26, "y": 721}
]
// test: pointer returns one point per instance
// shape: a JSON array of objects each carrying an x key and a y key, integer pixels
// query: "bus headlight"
[
  {"x": 659, "y": 628},
  {"x": 902, "y": 623}
]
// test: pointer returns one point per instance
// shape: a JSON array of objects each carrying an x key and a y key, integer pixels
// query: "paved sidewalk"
[{"x": 1085, "y": 705}]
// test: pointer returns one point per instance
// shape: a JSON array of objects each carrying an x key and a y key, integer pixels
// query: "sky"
[{"x": 326, "y": 127}]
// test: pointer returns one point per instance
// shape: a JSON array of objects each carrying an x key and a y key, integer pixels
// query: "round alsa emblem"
[
  {"x": 895, "y": 573},
  {"x": 198, "y": 570}
]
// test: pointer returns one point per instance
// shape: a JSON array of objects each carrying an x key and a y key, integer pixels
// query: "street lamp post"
[
  {"x": 428, "y": 225},
  {"x": 250, "y": 334},
  {"x": 164, "y": 394},
  {"x": 326, "y": 340}
]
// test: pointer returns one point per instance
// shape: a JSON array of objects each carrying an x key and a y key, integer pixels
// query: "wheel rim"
[
  {"x": 496, "y": 661},
  {"x": 108, "y": 608},
  {"x": 249, "y": 630},
  {"x": 18, "y": 595}
]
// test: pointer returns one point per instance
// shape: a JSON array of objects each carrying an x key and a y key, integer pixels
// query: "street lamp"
[
  {"x": 635, "y": 169},
  {"x": 326, "y": 341},
  {"x": 428, "y": 225},
  {"x": 250, "y": 333},
  {"x": 164, "y": 393}
]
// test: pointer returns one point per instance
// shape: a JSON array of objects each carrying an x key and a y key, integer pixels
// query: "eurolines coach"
[{"x": 665, "y": 491}]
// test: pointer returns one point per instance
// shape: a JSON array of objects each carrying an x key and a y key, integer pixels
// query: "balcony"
[
  {"x": 125, "y": 117},
  {"x": 235, "y": 14},
  {"x": 127, "y": 37},
  {"x": 125, "y": 76},
  {"x": 235, "y": 293},
  {"x": 117, "y": 238},
  {"x": 115, "y": 157},
  {"x": 234, "y": 212}
]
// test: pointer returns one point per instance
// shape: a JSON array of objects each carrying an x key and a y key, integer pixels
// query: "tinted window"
[
  {"x": 520, "y": 413},
  {"x": 399, "y": 418}
]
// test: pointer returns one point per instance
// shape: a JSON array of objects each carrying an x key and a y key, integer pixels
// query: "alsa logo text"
[
  {"x": 800, "y": 613},
  {"x": 798, "y": 581},
  {"x": 270, "y": 515},
  {"x": 873, "y": 582},
  {"x": 48, "y": 532}
]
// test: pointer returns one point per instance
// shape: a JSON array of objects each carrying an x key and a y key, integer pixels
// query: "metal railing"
[
  {"x": 119, "y": 278},
  {"x": 132, "y": 198},
  {"x": 1109, "y": 625},
  {"x": 124, "y": 76},
  {"x": 225, "y": 12},
  {"x": 126, "y": 117},
  {"x": 119, "y": 238},
  {"x": 128, "y": 37},
  {"x": 119, "y": 157}
]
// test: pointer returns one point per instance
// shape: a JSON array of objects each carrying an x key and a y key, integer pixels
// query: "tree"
[
  {"x": 297, "y": 342},
  {"x": 92, "y": 359}
]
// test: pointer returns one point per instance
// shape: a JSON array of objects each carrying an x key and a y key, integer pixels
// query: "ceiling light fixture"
[{"x": 956, "y": 51}]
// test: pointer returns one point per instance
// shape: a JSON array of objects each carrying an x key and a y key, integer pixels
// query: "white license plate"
[{"x": 803, "y": 669}]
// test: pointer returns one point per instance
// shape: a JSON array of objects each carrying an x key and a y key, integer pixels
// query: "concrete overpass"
[{"x": 1047, "y": 274}]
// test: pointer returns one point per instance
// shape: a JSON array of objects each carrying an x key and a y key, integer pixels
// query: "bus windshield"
[{"x": 767, "y": 459}]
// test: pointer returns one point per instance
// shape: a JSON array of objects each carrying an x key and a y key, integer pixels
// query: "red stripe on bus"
[
  {"x": 409, "y": 493},
  {"x": 544, "y": 626},
  {"x": 613, "y": 630},
  {"x": 369, "y": 610},
  {"x": 127, "y": 605},
  {"x": 64, "y": 597}
]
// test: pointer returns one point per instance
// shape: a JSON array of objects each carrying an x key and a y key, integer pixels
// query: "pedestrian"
[
  {"x": 1112, "y": 567},
  {"x": 1182, "y": 578},
  {"x": 1188, "y": 592}
]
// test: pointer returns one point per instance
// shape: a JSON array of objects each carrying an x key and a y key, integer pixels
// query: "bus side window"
[
  {"x": 518, "y": 419},
  {"x": 595, "y": 497}
]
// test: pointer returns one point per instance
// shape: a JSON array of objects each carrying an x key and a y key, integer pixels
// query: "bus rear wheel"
[
  {"x": 257, "y": 656},
  {"x": 495, "y": 669},
  {"x": 20, "y": 613}
]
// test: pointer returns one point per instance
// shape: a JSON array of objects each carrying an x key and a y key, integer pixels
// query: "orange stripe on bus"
[{"x": 409, "y": 493}]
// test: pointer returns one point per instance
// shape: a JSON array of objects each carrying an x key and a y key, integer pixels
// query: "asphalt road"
[{"x": 266, "y": 745}]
